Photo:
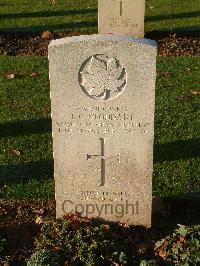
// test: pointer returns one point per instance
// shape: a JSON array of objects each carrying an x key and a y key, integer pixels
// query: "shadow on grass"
[
  {"x": 173, "y": 16},
  {"x": 63, "y": 26},
  {"x": 12, "y": 174},
  {"x": 187, "y": 29},
  {"x": 177, "y": 150},
  {"x": 48, "y": 13},
  {"x": 44, "y": 169},
  {"x": 181, "y": 32},
  {"x": 25, "y": 127},
  {"x": 180, "y": 209}
]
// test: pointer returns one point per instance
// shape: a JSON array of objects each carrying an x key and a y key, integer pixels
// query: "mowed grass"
[
  {"x": 26, "y": 163},
  {"x": 81, "y": 15},
  {"x": 172, "y": 15},
  {"x": 25, "y": 128}
]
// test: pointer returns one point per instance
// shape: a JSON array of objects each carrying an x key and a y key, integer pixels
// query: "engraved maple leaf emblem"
[{"x": 103, "y": 78}]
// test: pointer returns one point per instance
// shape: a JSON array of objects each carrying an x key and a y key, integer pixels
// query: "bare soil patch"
[
  {"x": 37, "y": 44},
  {"x": 20, "y": 224}
]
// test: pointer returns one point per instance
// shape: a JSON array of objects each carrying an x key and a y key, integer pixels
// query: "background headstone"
[
  {"x": 121, "y": 17},
  {"x": 102, "y": 94}
]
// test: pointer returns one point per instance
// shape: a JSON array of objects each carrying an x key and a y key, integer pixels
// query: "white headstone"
[
  {"x": 102, "y": 94},
  {"x": 121, "y": 17}
]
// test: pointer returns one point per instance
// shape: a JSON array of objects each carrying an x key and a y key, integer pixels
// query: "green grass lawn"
[
  {"x": 25, "y": 128},
  {"x": 81, "y": 15}
]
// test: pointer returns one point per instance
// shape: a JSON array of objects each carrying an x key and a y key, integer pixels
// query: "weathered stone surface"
[
  {"x": 121, "y": 17},
  {"x": 102, "y": 94}
]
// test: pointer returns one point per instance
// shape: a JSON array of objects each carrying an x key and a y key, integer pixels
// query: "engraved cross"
[
  {"x": 103, "y": 158},
  {"x": 121, "y": 8}
]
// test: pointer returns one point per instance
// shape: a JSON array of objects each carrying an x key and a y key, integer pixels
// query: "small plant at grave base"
[
  {"x": 182, "y": 247},
  {"x": 84, "y": 241},
  {"x": 148, "y": 263},
  {"x": 2, "y": 244},
  {"x": 44, "y": 258}
]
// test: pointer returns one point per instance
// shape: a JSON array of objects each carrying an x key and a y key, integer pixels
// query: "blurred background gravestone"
[{"x": 121, "y": 17}]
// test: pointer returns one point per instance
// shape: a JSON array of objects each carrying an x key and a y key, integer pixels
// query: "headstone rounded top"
[{"x": 103, "y": 37}]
